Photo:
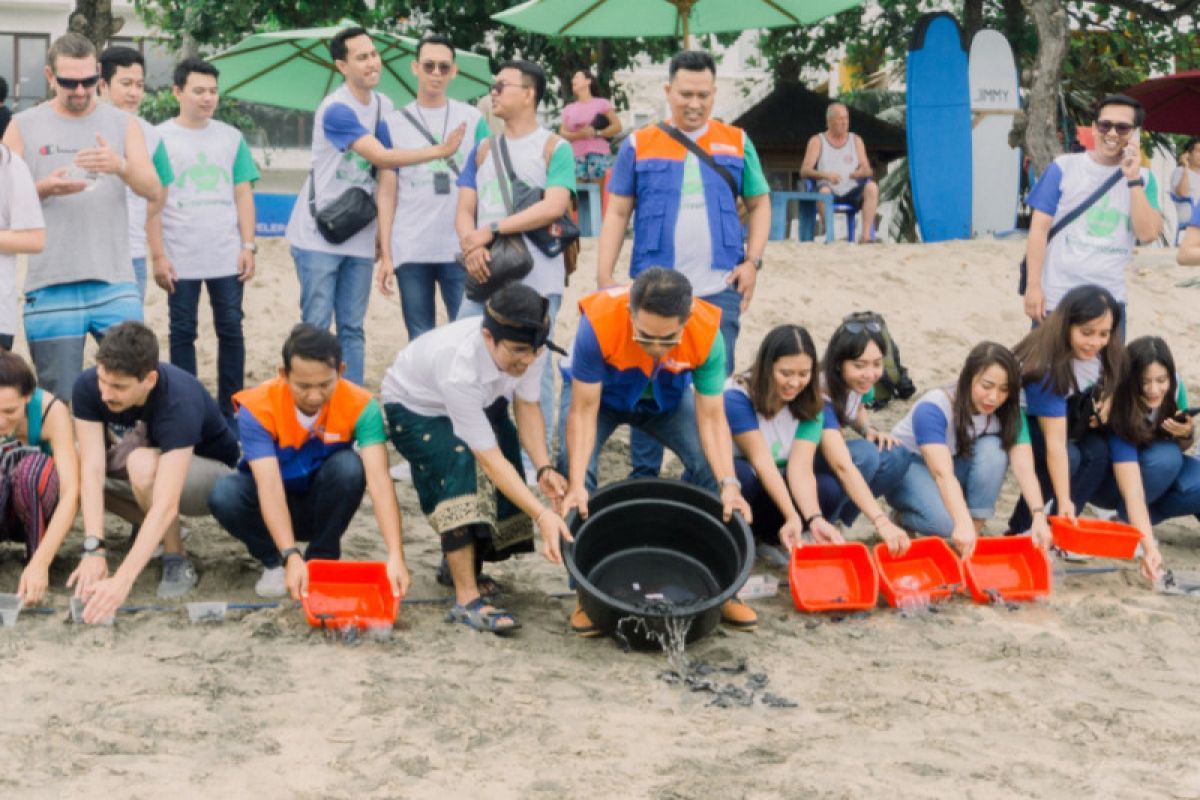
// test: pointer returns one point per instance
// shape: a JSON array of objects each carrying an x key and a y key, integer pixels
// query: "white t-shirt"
[
  {"x": 20, "y": 210},
  {"x": 340, "y": 121},
  {"x": 200, "y": 227},
  {"x": 931, "y": 421},
  {"x": 693, "y": 239},
  {"x": 448, "y": 372},
  {"x": 135, "y": 203},
  {"x": 1096, "y": 247},
  {"x": 841, "y": 161},
  {"x": 423, "y": 229},
  {"x": 1193, "y": 184}
]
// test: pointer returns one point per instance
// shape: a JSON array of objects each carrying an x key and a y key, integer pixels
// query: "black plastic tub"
[{"x": 655, "y": 549}]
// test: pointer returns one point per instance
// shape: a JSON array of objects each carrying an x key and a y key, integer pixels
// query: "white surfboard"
[{"x": 996, "y": 167}]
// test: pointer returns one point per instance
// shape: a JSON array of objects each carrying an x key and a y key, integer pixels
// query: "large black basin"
[{"x": 652, "y": 550}]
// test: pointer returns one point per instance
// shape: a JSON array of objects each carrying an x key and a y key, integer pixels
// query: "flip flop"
[
  {"x": 487, "y": 585},
  {"x": 473, "y": 616}
]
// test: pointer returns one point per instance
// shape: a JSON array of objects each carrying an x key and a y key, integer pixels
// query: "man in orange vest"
[{"x": 639, "y": 352}]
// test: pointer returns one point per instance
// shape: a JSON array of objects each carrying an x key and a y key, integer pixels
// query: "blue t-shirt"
[
  {"x": 1195, "y": 223},
  {"x": 343, "y": 129}
]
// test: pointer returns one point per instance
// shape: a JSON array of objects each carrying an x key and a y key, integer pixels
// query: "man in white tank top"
[{"x": 837, "y": 161}]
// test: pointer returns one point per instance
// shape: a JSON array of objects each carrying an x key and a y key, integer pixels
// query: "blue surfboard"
[{"x": 938, "y": 123}]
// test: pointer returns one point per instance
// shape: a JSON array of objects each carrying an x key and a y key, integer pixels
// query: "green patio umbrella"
[
  {"x": 292, "y": 69},
  {"x": 633, "y": 18}
]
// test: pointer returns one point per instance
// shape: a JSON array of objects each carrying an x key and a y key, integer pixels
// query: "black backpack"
[{"x": 895, "y": 383}]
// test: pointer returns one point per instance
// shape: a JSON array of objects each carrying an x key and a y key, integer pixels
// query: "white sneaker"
[
  {"x": 401, "y": 472},
  {"x": 184, "y": 533},
  {"x": 273, "y": 583}
]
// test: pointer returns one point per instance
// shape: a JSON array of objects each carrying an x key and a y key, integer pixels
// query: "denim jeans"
[
  {"x": 139, "y": 272},
  {"x": 337, "y": 287},
  {"x": 676, "y": 430},
  {"x": 1088, "y": 465},
  {"x": 225, "y": 295},
  {"x": 981, "y": 475},
  {"x": 881, "y": 469},
  {"x": 471, "y": 308},
  {"x": 1162, "y": 465},
  {"x": 645, "y": 453},
  {"x": 767, "y": 519},
  {"x": 320, "y": 515},
  {"x": 418, "y": 284}
]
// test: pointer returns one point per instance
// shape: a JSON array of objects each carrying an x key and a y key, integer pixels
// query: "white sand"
[{"x": 1092, "y": 694}]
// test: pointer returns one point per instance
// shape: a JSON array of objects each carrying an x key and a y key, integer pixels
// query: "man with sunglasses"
[
  {"x": 1097, "y": 246},
  {"x": 417, "y": 203},
  {"x": 687, "y": 210},
  {"x": 82, "y": 154},
  {"x": 350, "y": 144},
  {"x": 639, "y": 352}
]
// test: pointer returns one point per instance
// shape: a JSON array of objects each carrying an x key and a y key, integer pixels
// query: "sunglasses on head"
[
  {"x": 857, "y": 323},
  {"x": 75, "y": 83},
  {"x": 1122, "y": 128},
  {"x": 439, "y": 67}
]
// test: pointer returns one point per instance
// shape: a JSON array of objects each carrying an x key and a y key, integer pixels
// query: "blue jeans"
[
  {"x": 1182, "y": 498},
  {"x": 139, "y": 272},
  {"x": 320, "y": 514},
  {"x": 881, "y": 469},
  {"x": 336, "y": 286},
  {"x": 645, "y": 453},
  {"x": 981, "y": 475},
  {"x": 470, "y": 308},
  {"x": 418, "y": 282},
  {"x": 1161, "y": 464},
  {"x": 767, "y": 519},
  {"x": 1088, "y": 465},
  {"x": 676, "y": 430},
  {"x": 225, "y": 295}
]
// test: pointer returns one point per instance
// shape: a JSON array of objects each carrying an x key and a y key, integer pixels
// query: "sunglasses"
[
  {"x": 858, "y": 326},
  {"x": 657, "y": 341},
  {"x": 438, "y": 67},
  {"x": 500, "y": 86},
  {"x": 71, "y": 84},
  {"x": 1122, "y": 128}
]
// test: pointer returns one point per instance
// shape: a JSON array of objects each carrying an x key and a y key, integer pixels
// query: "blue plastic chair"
[
  {"x": 1185, "y": 219},
  {"x": 849, "y": 209}
]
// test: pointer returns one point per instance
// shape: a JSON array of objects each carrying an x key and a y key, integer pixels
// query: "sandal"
[
  {"x": 582, "y": 625},
  {"x": 487, "y": 585},
  {"x": 473, "y": 616}
]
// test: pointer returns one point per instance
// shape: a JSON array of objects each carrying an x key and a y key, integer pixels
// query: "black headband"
[{"x": 530, "y": 332}]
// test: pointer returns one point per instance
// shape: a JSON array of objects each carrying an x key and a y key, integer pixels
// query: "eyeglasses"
[
  {"x": 440, "y": 67},
  {"x": 1122, "y": 128},
  {"x": 70, "y": 84},
  {"x": 500, "y": 86}
]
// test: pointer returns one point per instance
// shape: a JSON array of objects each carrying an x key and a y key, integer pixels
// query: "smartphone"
[{"x": 1183, "y": 414}]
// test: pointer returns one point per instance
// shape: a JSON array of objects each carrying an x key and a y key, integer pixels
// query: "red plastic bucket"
[
  {"x": 833, "y": 577},
  {"x": 1007, "y": 568},
  {"x": 930, "y": 570},
  {"x": 1095, "y": 537},
  {"x": 345, "y": 594}
]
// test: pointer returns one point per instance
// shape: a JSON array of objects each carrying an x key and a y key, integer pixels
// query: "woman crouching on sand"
[
  {"x": 778, "y": 421},
  {"x": 959, "y": 441}
]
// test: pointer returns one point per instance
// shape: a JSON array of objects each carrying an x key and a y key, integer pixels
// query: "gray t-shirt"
[{"x": 87, "y": 233}]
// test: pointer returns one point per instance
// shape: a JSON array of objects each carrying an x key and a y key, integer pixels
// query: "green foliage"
[
  {"x": 218, "y": 24},
  {"x": 161, "y": 106}
]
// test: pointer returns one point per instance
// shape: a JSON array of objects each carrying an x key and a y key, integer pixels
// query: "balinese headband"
[{"x": 530, "y": 332}]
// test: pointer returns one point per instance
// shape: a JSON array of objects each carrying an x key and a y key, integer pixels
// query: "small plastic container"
[
  {"x": 10, "y": 609},
  {"x": 1096, "y": 537},
  {"x": 833, "y": 577},
  {"x": 345, "y": 594},
  {"x": 1007, "y": 568},
  {"x": 759, "y": 586},
  {"x": 212, "y": 611},
  {"x": 930, "y": 571},
  {"x": 77, "y": 606}
]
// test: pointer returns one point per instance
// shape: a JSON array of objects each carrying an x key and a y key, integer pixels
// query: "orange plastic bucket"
[
  {"x": 930, "y": 570},
  {"x": 1007, "y": 568},
  {"x": 345, "y": 594},
  {"x": 1095, "y": 537},
  {"x": 833, "y": 577}
]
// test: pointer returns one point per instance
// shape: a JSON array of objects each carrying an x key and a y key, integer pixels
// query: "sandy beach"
[{"x": 1094, "y": 693}]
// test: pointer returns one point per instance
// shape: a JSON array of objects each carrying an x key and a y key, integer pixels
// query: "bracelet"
[
  {"x": 545, "y": 510},
  {"x": 288, "y": 552},
  {"x": 877, "y": 516},
  {"x": 731, "y": 481},
  {"x": 808, "y": 522},
  {"x": 543, "y": 470},
  {"x": 1038, "y": 510}
]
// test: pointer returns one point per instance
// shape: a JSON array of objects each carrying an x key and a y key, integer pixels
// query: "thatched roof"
[{"x": 791, "y": 114}]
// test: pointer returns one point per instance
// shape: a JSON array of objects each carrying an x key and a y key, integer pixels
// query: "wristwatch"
[
  {"x": 93, "y": 546},
  {"x": 289, "y": 552},
  {"x": 251, "y": 246},
  {"x": 494, "y": 227},
  {"x": 757, "y": 262},
  {"x": 1136, "y": 182},
  {"x": 731, "y": 481}
]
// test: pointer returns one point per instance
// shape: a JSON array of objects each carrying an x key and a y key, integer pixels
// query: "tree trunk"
[
  {"x": 94, "y": 19},
  {"x": 1041, "y": 140},
  {"x": 972, "y": 19}
]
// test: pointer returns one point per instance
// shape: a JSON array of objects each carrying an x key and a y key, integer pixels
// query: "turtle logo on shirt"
[
  {"x": 205, "y": 177},
  {"x": 1102, "y": 219},
  {"x": 353, "y": 168}
]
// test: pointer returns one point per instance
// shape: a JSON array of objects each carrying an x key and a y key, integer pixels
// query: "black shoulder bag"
[
  {"x": 1102, "y": 190},
  {"x": 553, "y": 239},
  {"x": 510, "y": 260},
  {"x": 353, "y": 210}
]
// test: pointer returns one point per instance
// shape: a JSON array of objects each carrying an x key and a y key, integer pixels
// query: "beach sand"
[{"x": 1091, "y": 694}]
